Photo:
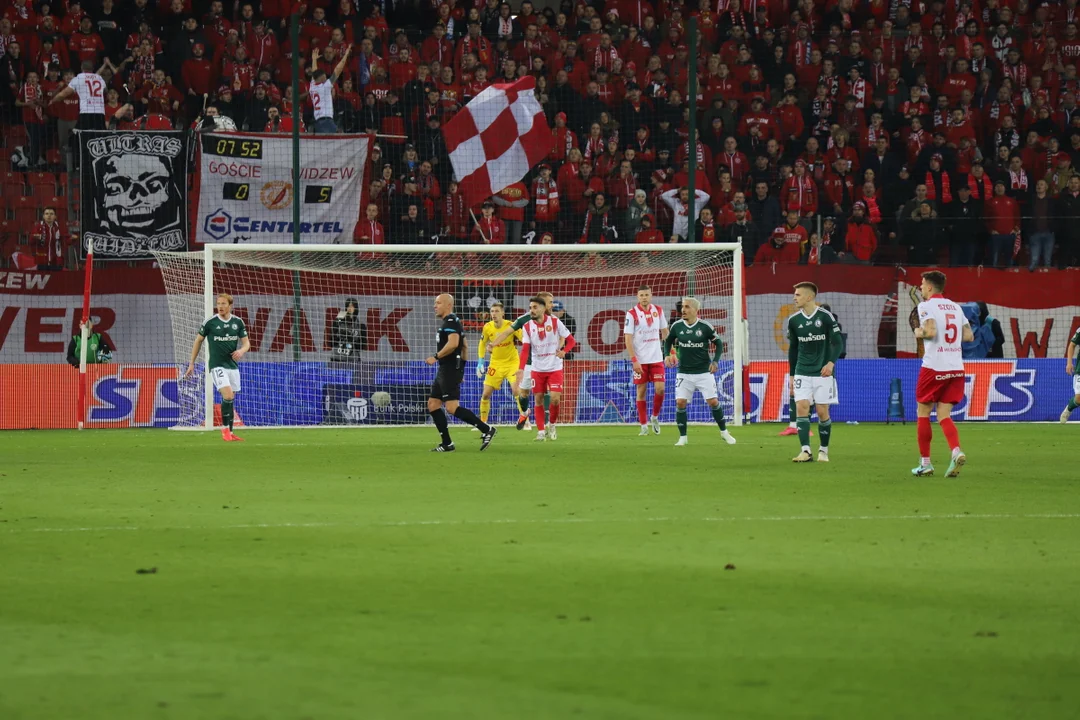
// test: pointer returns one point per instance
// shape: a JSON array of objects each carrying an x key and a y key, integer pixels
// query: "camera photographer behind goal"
[{"x": 347, "y": 334}]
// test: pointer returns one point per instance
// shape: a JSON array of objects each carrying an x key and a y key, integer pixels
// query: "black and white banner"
[
  {"x": 246, "y": 191},
  {"x": 134, "y": 192}
]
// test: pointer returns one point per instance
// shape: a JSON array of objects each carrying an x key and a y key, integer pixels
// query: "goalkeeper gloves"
[{"x": 481, "y": 369}]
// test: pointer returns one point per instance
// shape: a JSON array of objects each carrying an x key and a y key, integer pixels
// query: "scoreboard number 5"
[{"x": 318, "y": 194}]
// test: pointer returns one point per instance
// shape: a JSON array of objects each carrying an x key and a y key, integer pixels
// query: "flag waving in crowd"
[{"x": 497, "y": 138}]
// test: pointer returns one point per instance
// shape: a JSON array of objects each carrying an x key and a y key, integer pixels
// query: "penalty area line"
[{"x": 562, "y": 521}]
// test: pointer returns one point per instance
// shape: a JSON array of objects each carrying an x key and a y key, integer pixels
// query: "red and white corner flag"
[{"x": 495, "y": 139}]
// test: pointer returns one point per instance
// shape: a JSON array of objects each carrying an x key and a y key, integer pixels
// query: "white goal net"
[{"x": 339, "y": 333}]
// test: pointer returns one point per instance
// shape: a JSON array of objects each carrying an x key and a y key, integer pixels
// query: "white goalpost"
[{"x": 339, "y": 333}]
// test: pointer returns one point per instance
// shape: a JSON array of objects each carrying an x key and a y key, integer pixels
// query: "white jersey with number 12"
[
  {"x": 322, "y": 99},
  {"x": 645, "y": 326},
  {"x": 91, "y": 91},
  {"x": 943, "y": 351}
]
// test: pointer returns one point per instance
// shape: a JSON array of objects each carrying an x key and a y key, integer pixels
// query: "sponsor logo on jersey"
[
  {"x": 811, "y": 338},
  {"x": 225, "y": 338}
]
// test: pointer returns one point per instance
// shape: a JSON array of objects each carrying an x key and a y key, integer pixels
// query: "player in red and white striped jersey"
[
  {"x": 644, "y": 332},
  {"x": 941, "y": 380},
  {"x": 545, "y": 342}
]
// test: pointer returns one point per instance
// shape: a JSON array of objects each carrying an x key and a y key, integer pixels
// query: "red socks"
[
  {"x": 952, "y": 436},
  {"x": 539, "y": 412},
  {"x": 641, "y": 416},
  {"x": 657, "y": 403},
  {"x": 553, "y": 412},
  {"x": 926, "y": 434}
]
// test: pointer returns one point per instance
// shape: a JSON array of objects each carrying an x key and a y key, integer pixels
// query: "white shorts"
[
  {"x": 526, "y": 379},
  {"x": 224, "y": 377},
  {"x": 1076, "y": 384},
  {"x": 704, "y": 383},
  {"x": 816, "y": 389}
]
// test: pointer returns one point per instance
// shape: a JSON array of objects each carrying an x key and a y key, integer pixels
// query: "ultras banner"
[
  {"x": 134, "y": 192},
  {"x": 246, "y": 191}
]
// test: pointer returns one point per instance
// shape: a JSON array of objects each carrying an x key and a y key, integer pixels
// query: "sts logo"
[
  {"x": 218, "y": 224},
  {"x": 996, "y": 390},
  {"x": 135, "y": 397}
]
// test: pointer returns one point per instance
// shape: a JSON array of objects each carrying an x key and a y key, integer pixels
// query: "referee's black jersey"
[{"x": 451, "y": 324}]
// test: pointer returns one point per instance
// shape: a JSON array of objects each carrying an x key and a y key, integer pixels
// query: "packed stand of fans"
[{"x": 885, "y": 131}]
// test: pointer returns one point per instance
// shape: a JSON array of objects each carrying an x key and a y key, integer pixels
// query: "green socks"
[
  {"x": 680, "y": 420},
  {"x": 791, "y": 411},
  {"x": 803, "y": 424},
  {"x": 1072, "y": 404},
  {"x": 825, "y": 430},
  {"x": 547, "y": 401},
  {"x": 227, "y": 413},
  {"x": 718, "y": 416},
  {"x": 523, "y": 404}
]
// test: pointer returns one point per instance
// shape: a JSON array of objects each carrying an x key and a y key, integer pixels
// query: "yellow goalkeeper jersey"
[{"x": 504, "y": 353}]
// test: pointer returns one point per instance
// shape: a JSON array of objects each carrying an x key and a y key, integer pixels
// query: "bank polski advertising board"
[{"x": 246, "y": 192}]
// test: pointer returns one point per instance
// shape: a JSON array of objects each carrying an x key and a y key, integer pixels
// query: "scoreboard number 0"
[
  {"x": 236, "y": 191},
  {"x": 318, "y": 194}
]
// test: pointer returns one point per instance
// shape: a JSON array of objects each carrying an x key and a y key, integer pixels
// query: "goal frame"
[{"x": 739, "y": 329}]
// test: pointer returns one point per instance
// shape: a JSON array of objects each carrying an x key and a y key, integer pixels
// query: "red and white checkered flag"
[{"x": 497, "y": 138}]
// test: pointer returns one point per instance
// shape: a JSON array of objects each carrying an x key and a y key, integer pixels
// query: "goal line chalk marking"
[{"x": 562, "y": 521}]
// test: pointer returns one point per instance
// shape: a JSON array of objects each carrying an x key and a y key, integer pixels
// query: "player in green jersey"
[
  {"x": 525, "y": 382},
  {"x": 690, "y": 337},
  {"x": 1072, "y": 367},
  {"x": 814, "y": 344},
  {"x": 227, "y": 341}
]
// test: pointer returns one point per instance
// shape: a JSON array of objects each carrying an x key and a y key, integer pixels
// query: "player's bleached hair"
[
  {"x": 496, "y": 304},
  {"x": 546, "y": 295},
  {"x": 692, "y": 302},
  {"x": 227, "y": 296},
  {"x": 935, "y": 278}
]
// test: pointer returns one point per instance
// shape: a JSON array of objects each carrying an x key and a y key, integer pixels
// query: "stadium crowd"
[{"x": 862, "y": 131}]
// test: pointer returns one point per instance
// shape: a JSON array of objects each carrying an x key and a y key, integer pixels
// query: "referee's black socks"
[
  {"x": 440, "y": 423},
  {"x": 466, "y": 415}
]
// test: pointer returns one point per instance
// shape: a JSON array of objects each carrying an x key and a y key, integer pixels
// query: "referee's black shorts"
[
  {"x": 90, "y": 121},
  {"x": 447, "y": 384}
]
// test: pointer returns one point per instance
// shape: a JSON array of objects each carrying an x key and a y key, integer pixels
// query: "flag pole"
[{"x": 487, "y": 240}]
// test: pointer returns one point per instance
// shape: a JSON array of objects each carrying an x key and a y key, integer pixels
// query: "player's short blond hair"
[
  {"x": 546, "y": 295},
  {"x": 496, "y": 304},
  {"x": 692, "y": 302},
  {"x": 227, "y": 297}
]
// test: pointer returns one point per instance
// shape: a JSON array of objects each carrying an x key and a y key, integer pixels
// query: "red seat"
[
  {"x": 62, "y": 182},
  {"x": 5, "y": 163},
  {"x": 12, "y": 176},
  {"x": 26, "y": 213},
  {"x": 40, "y": 178},
  {"x": 16, "y": 135},
  {"x": 12, "y": 191},
  {"x": 53, "y": 157},
  {"x": 43, "y": 193}
]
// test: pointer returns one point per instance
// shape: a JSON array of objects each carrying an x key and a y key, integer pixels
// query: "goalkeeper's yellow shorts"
[{"x": 496, "y": 374}]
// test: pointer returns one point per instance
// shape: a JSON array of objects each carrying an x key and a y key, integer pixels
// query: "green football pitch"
[{"x": 352, "y": 574}]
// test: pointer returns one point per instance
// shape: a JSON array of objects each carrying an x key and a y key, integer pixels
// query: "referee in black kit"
[{"x": 446, "y": 389}]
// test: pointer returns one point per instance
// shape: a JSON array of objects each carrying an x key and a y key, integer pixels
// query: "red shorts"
[
  {"x": 650, "y": 373},
  {"x": 945, "y": 386},
  {"x": 544, "y": 382}
]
